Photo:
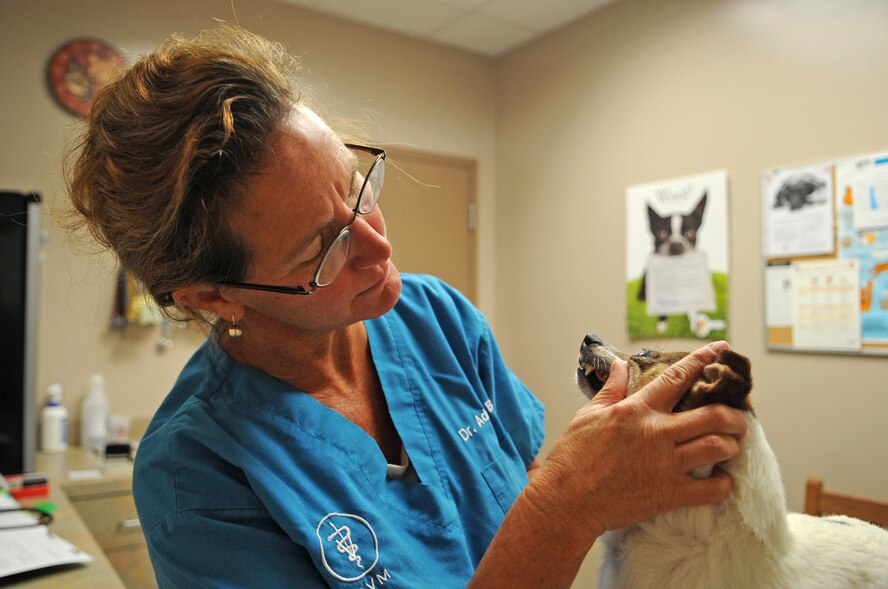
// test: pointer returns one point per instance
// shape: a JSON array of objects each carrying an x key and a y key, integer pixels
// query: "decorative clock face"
[{"x": 79, "y": 69}]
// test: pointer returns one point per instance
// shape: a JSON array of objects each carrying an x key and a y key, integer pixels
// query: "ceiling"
[{"x": 486, "y": 27}]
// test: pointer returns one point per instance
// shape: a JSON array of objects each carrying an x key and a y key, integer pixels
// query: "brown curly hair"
[{"x": 166, "y": 148}]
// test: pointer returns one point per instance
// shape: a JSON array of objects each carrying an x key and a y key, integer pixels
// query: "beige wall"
[
  {"x": 642, "y": 91},
  {"x": 403, "y": 92},
  {"x": 650, "y": 90}
]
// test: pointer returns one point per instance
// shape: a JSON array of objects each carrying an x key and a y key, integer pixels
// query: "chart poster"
[
  {"x": 677, "y": 257},
  {"x": 857, "y": 180},
  {"x": 826, "y": 312}
]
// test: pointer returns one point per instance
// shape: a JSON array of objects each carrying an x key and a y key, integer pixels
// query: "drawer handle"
[{"x": 129, "y": 524}]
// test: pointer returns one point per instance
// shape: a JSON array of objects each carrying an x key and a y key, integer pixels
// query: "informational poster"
[
  {"x": 677, "y": 257},
  {"x": 797, "y": 211},
  {"x": 864, "y": 179},
  {"x": 827, "y": 298}
]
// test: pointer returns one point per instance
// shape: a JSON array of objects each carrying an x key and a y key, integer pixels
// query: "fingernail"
[{"x": 719, "y": 346}]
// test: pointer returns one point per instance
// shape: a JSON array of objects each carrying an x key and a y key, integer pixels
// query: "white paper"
[
  {"x": 87, "y": 474},
  {"x": 34, "y": 547},
  {"x": 797, "y": 212},
  {"x": 778, "y": 296},
  {"x": 826, "y": 305},
  {"x": 679, "y": 284}
]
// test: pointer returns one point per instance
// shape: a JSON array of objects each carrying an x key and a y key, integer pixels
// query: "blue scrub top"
[{"x": 243, "y": 481}]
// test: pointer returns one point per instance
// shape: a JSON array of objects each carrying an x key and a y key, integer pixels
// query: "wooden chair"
[{"x": 819, "y": 502}]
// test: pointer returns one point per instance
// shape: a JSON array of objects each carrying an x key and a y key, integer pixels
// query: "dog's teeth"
[{"x": 589, "y": 370}]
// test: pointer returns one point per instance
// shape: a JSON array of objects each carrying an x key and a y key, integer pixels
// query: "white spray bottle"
[{"x": 94, "y": 416}]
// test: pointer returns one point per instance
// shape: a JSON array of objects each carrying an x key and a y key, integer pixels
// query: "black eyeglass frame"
[
  {"x": 44, "y": 518},
  {"x": 313, "y": 285}
]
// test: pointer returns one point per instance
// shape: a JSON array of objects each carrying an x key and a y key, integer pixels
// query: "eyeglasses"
[
  {"x": 336, "y": 255},
  {"x": 19, "y": 517}
]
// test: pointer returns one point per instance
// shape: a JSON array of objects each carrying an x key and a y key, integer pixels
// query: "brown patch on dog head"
[
  {"x": 728, "y": 380},
  {"x": 647, "y": 365}
]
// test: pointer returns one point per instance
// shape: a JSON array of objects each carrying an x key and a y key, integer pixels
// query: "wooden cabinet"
[
  {"x": 106, "y": 507},
  {"x": 133, "y": 566}
]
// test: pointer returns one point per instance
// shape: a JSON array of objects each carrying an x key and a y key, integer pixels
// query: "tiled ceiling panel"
[{"x": 486, "y": 27}]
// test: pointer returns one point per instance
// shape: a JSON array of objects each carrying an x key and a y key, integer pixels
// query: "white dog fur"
[{"x": 749, "y": 541}]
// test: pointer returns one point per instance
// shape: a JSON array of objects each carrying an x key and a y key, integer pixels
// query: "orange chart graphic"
[{"x": 866, "y": 293}]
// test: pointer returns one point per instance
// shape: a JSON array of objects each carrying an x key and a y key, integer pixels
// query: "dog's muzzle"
[{"x": 596, "y": 358}]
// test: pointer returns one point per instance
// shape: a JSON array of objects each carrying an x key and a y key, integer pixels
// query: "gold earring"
[{"x": 233, "y": 330}]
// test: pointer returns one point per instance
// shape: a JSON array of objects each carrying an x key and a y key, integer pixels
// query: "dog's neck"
[
  {"x": 710, "y": 545},
  {"x": 759, "y": 499},
  {"x": 755, "y": 509}
]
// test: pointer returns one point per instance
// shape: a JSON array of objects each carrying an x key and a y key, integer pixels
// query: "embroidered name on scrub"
[{"x": 481, "y": 419}]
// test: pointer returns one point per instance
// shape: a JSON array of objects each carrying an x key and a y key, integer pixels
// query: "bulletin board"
[{"x": 825, "y": 250}]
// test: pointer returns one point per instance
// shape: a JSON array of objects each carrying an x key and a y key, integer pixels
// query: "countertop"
[{"x": 115, "y": 475}]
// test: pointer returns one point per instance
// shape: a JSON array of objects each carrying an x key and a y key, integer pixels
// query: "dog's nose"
[
  {"x": 591, "y": 340},
  {"x": 676, "y": 249}
]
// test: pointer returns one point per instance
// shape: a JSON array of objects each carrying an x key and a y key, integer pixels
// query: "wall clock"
[{"x": 80, "y": 68}]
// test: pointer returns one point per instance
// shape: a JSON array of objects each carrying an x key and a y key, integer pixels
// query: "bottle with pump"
[
  {"x": 54, "y": 422},
  {"x": 94, "y": 416}
]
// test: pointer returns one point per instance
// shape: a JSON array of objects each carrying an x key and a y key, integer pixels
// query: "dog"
[
  {"x": 748, "y": 541},
  {"x": 673, "y": 235},
  {"x": 799, "y": 191}
]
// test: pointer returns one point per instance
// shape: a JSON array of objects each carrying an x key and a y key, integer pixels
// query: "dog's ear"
[
  {"x": 653, "y": 217},
  {"x": 728, "y": 380},
  {"x": 701, "y": 206}
]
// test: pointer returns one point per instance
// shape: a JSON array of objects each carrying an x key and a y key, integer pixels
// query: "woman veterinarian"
[{"x": 342, "y": 425}]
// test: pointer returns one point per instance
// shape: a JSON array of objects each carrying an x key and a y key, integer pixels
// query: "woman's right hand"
[{"x": 622, "y": 459}]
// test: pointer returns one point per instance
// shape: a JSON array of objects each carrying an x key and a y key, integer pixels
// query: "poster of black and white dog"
[{"x": 677, "y": 257}]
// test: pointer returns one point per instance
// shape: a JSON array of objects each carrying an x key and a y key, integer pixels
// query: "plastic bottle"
[
  {"x": 54, "y": 422},
  {"x": 94, "y": 416}
]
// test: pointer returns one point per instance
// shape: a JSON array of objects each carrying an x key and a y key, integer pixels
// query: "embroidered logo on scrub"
[{"x": 349, "y": 549}]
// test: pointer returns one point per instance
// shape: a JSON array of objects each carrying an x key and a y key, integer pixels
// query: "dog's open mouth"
[
  {"x": 596, "y": 359},
  {"x": 592, "y": 374}
]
